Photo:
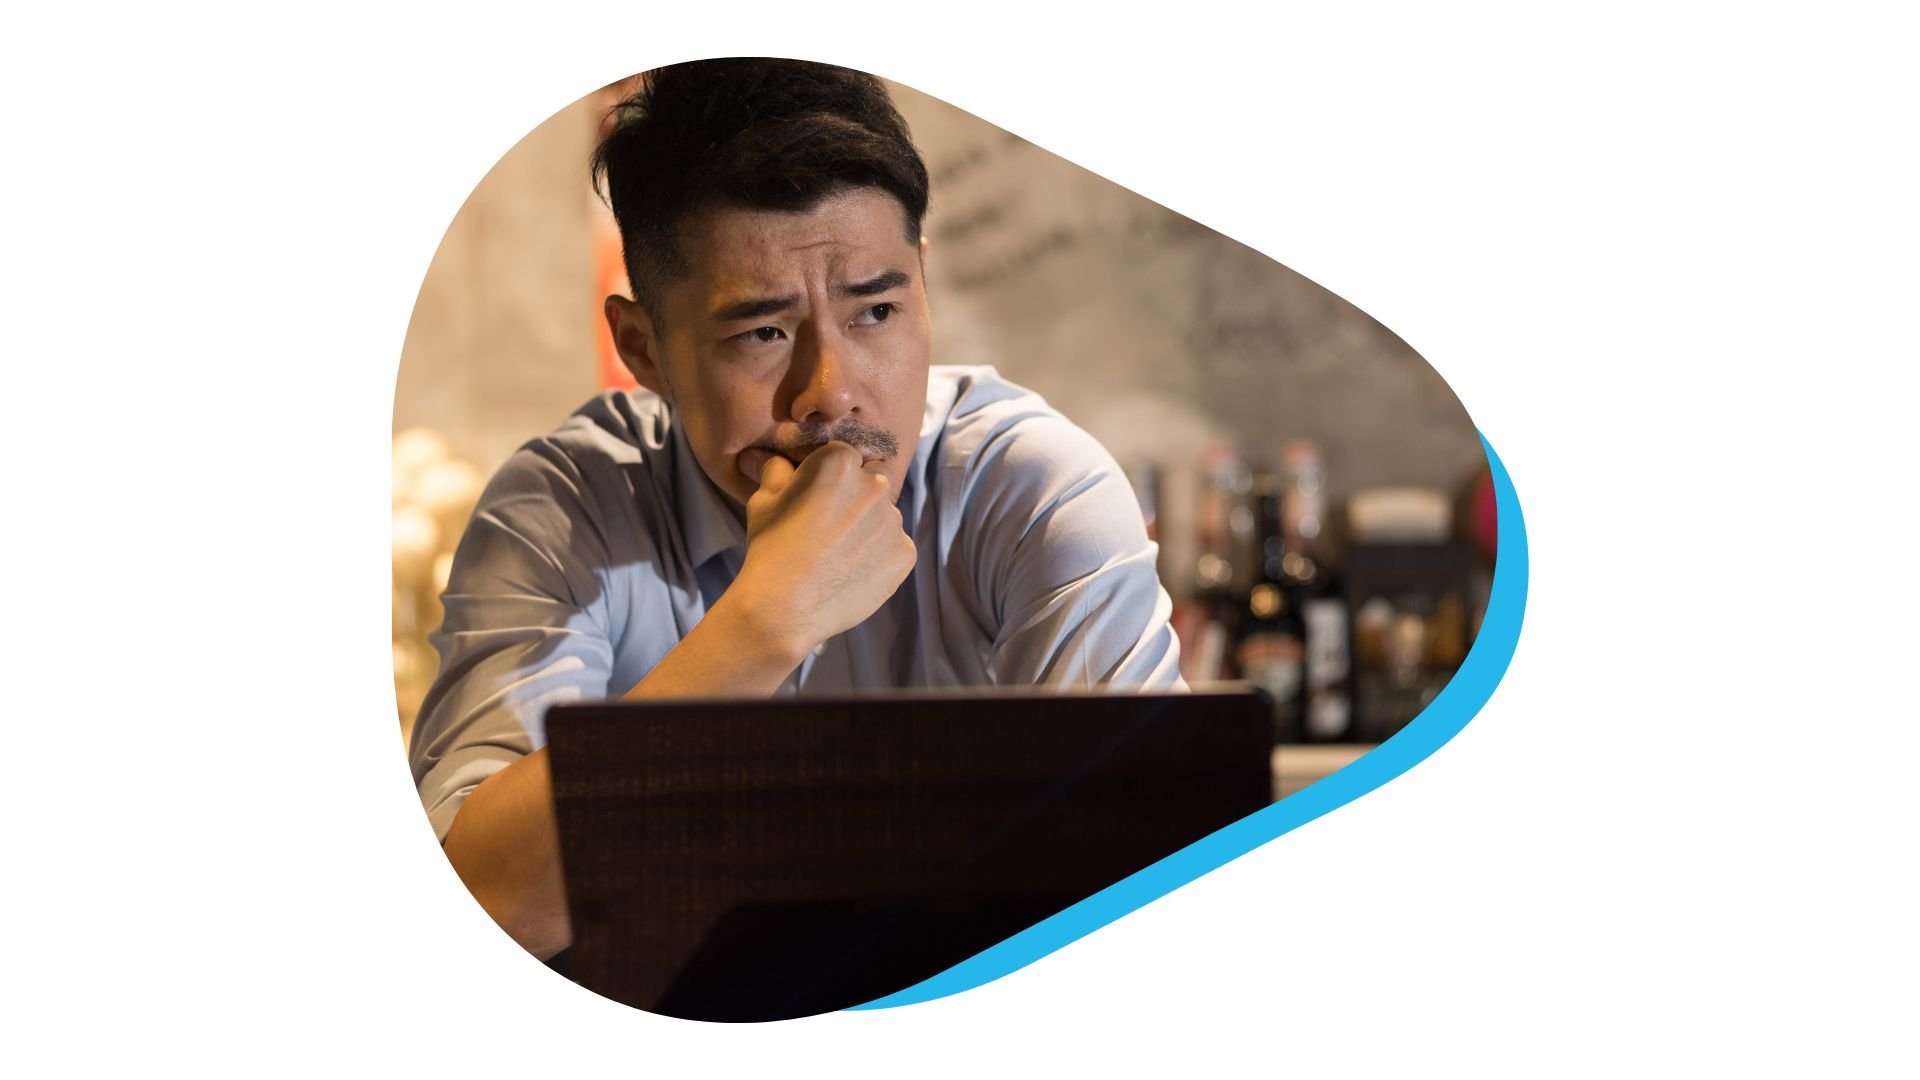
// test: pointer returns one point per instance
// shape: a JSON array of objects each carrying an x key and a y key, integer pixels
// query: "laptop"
[{"x": 751, "y": 860}]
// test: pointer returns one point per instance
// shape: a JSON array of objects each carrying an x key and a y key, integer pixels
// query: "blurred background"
[{"x": 1319, "y": 495}]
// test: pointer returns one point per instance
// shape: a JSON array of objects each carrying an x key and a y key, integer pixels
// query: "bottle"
[
  {"x": 1318, "y": 596},
  {"x": 1220, "y": 526},
  {"x": 1205, "y": 624},
  {"x": 1329, "y": 697},
  {"x": 1270, "y": 639}
]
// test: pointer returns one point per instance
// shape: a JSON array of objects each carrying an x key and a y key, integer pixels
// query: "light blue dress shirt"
[{"x": 595, "y": 549}]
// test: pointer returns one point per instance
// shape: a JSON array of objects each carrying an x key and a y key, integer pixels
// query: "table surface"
[{"x": 1296, "y": 766}]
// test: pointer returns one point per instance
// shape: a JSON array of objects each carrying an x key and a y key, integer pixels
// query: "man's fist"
[{"x": 825, "y": 546}]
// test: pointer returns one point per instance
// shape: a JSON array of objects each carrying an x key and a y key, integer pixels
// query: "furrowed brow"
[
  {"x": 885, "y": 281},
  {"x": 753, "y": 309}
]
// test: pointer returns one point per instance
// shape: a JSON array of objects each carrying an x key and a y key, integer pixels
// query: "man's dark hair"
[{"x": 751, "y": 133}]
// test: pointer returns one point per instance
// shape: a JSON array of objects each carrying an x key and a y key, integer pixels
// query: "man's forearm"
[
  {"x": 739, "y": 649},
  {"x": 503, "y": 842}
]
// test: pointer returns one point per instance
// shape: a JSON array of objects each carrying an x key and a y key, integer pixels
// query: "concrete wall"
[{"x": 502, "y": 342}]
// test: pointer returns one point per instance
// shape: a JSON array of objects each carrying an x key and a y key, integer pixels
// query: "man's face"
[{"x": 792, "y": 329}]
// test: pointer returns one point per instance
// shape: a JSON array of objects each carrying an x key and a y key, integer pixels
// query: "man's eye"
[
  {"x": 761, "y": 335},
  {"x": 878, "y": 313}
]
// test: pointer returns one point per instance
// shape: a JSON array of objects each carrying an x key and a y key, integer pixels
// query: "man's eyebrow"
[
  {"x": 754, "y": 309},
  {"x": 761, "y": 307},
  {"x": 882, "y": 282}
]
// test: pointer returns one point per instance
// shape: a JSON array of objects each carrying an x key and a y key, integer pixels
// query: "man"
[{"x": 797, "y": 502}]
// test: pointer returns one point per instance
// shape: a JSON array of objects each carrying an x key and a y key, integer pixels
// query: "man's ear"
[{"x": 637, "y": 343}]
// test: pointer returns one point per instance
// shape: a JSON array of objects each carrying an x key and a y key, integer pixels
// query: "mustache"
[{"x": 875, "y": 442}]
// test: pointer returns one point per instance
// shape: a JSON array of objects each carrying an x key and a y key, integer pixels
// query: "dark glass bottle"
[
  {"x": 1270, "y": 638},
  {"x": 1317, "y": 596},
  {"x": 1208, "y": 622}
]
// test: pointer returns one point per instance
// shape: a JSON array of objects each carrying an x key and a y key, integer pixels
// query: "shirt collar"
[
  {"x": 942, "y": 391},
  {"x": 706, "y": 518}
]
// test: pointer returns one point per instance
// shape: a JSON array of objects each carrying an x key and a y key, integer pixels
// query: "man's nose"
[{"x": 826, "y": 391}]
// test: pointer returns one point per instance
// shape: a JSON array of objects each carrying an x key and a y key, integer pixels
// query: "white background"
[{"x": 1663, "y": 253}]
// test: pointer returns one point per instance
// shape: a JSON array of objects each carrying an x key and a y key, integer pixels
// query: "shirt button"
[{"x": 820, "y": 649}]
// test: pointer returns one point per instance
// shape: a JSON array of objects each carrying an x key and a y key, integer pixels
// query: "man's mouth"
[{"x": 874, "y": 443}]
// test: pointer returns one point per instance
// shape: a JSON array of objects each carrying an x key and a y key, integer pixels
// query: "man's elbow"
[{"x": 504, "y": 847}]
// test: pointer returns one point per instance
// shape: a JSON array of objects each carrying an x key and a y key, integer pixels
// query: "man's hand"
[
  {"x": 824, "y": 550},
  {"x": 825, "y": 546}
]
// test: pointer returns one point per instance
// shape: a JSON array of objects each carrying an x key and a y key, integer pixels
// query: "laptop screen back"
[{"x": 759, "y": 860}]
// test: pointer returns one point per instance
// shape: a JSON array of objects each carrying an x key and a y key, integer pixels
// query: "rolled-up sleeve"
[
  {"x": 525, "y": 628},
  {"x": 1065, "y": 564}
]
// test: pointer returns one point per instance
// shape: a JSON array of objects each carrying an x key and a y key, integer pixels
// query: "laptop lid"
[{"x": 749, "y": 860}]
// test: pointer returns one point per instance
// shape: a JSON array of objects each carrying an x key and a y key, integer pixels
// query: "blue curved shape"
[{"x": 1441, "y": 720}]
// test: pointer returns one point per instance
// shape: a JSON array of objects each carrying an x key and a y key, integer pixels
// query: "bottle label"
[
  {"x": 1326, "y": 657},
  {"x": 1272, "y": 662},
  {"x": 1327, "y": 715}
]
